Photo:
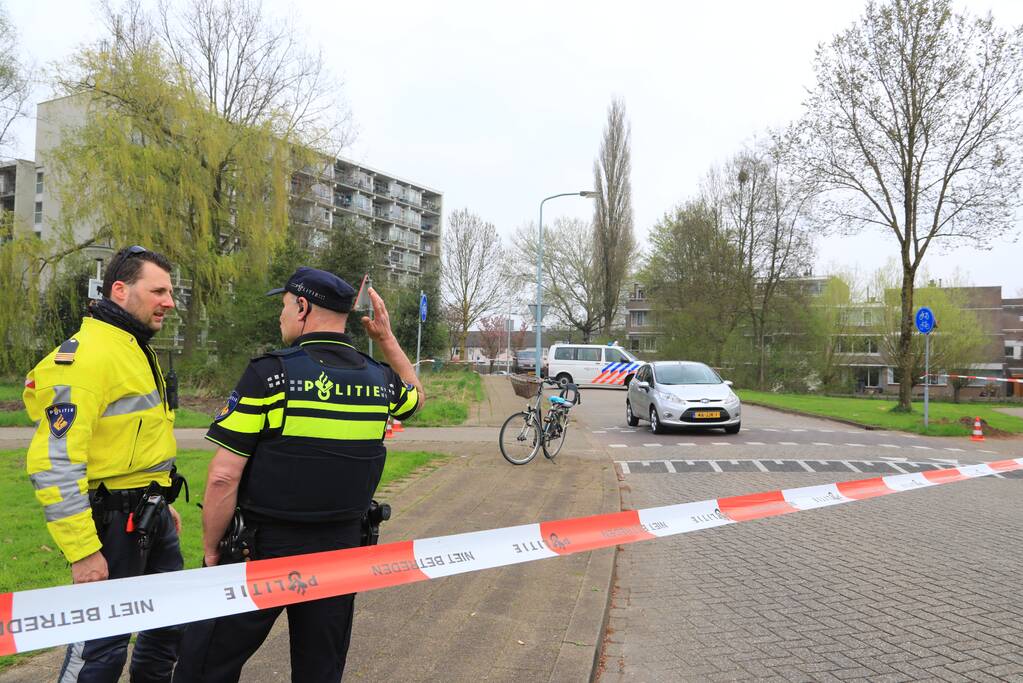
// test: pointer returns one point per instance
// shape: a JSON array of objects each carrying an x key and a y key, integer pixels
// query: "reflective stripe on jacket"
[{"x": 101, "y": 419}]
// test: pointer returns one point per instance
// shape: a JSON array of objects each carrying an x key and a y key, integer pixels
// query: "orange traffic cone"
[
  {"x": 398, "y": 427},
  {"x": 978, "y": 433},
  {"x": 389, "y": 432}
]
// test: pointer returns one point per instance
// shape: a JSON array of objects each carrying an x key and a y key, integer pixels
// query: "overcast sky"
[{"x": 500, "y": 106}]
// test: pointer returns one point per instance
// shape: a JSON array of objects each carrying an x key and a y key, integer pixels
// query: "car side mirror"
[
  {"x": 641, "y": 384},
  {"x": 728, "y": 382}
]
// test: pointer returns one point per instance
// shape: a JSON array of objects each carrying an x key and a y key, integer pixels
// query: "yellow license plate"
[{"x": 707, "y": 413}]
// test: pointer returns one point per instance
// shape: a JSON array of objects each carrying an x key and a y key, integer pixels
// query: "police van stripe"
[{"x": 35, "y": 619}]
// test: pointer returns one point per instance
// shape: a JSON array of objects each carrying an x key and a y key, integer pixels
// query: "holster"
[
  {"x": 371, "y": 519},
  {"x": 238, "y": 542}
]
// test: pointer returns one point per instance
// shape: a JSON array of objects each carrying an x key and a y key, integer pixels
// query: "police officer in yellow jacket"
[
  {"x": 104, "y": 435},
  {"x": 301, "y": 453}
]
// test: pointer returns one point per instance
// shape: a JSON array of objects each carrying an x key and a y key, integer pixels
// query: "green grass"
[
  {"x": 943, "y": 417},
  {"x": 11, "y": 391},
  {"x": 449, "y": 395},
  {"x": 185, "y": 418},
  {"x": 30, "y": 559}
]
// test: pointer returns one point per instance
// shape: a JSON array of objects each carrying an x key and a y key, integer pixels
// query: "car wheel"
[
  {"x": 563, "y": 379},
  {"x": 655, "y": 422},
  {"x": 631, "y": 419},
  {"x": 733, "y": 429}
]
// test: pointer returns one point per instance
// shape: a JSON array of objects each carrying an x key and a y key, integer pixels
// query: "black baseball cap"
[{"x": 320, "y": 288}]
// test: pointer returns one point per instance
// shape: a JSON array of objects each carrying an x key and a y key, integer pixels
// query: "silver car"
[{"x": 682, "y": 394}]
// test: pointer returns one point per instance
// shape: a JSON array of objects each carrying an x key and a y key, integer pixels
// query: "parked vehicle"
[
  {"x": 682, "y": 394},
  {"x": 590, "y": 364},
  {"x": 525, "y": 360}
]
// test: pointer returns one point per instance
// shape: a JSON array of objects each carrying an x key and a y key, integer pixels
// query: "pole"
[
  {"x": 927, "y": 376},
  {"x": 539, "y": 289},
  {"x": 419, "y": 336},
  {"x": 508, "y": 326}
]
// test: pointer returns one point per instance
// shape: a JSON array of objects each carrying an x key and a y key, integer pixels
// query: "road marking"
[
  {"x": 923, "y": 448},
  {"x": 768, "y": 429},
  {"x": 806, "y": 467},
  {"x": 851, "y": 466},
  {"x": 820, "y": 443},
  {"x": 989, "y": 452},
  {"x": 754, "y": 443},
  {"x": 797, "y": 430},
  {"x": 599, "y": 431},
  {"x": 827, "y": 431},
  {"x": 686, "y": 443},
  {"x": 721, "y": 443},
  {"x": 760, "y": 466},
  {"x": 628, "y": 431},
  {"x": 653, "y": 445},
  {"x": 897, "y": 465},
  {"x": 671, "y": 468},
  {"x": 787, "y": 443},
  {"x": 856, "y": 445},
  {"x": 889, "y": 445},
  {"x": 617, "y": 445},
  {"x": 957, "y": 450},
  {"x": 714, "y": 466},
  {"x": 625, "y": 468},
  {"x": 893, "y": 465}
]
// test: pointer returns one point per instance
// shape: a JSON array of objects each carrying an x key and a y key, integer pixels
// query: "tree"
[
  {"x": 198, "y": 120},
  {"x": 913, "y": 127},
  {"x": 15, "y": 85},
  {"x": 493, "y": 335},
  {"x": 351, "y": 254},
  {"x": 472, "y": 282},
  {"x": 691, "y": 274},
  {"x": 612, "y": 220},
  {"x": 569, "y": 272},
  {"x": 764, "y": 214},
  {"x": 830, "y": 322}
]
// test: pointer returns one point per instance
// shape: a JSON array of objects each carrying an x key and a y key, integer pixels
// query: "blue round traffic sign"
[
  {"x": 925, "y": 320},
  {"x": 422, "y": 308}
]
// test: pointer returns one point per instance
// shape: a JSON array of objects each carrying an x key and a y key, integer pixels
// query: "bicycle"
[{"x": 525, "y": 433}]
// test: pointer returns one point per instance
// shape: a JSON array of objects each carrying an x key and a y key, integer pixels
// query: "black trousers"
[
  {"x": 152, "y": 660},
  {"x": 215, "y": 650}
]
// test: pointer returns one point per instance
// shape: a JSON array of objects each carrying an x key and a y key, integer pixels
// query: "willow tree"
[{"x": 154, "y": 164}]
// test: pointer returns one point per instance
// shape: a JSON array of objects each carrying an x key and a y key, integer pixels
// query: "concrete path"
[{"x": 537, "y": 621}]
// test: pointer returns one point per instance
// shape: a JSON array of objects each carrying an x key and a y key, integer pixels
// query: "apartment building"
[
  {"x": 21, "y": 187},
  {"x": 401, "y": 216},
  {"x": 640, "y": 333}
]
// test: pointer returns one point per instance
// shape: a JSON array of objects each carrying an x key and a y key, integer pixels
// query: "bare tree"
[
  {"x": 15, "y": 78},
  {"x": 612, "y": 221},
  {"x": 569, "y": 272},
  {"x": 914, "y": 127},
  {"x": 472, "y": 282},
  {"x": 764, "y": 214}
]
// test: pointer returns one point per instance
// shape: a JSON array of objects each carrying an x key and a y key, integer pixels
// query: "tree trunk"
[{"x": 905, "y": 359}]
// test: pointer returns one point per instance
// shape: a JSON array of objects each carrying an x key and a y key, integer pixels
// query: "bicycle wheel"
[
  {"x": 520, "y": 438},
  {"x": 554, "y": 435}
]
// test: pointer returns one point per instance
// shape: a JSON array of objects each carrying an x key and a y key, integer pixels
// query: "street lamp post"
[{"x": 589, "y": 194}]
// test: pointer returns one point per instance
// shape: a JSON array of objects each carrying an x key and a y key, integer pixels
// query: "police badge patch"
[
  {"x": 61, "y": 416},
  {"x": 232, "y": 403}
]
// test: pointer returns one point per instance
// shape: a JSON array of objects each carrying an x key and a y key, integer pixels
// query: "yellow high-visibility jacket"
[{"x": 102, "y": 418}]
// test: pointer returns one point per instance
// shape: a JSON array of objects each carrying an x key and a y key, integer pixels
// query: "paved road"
[{"x": 916, "y": 586}]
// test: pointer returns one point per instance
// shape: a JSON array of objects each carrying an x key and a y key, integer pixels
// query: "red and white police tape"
[
  {"x": 986, "y": 379},
  {"x": 54, "y": 616}
]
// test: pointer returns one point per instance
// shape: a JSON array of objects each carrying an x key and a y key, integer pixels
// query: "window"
[
  {"x": 38, "y": 216},
  {"x": 638, "y": 318},
  {"x": 872, "y": 345},
  {"x": 39, "y": 182},
  {"x": 588, "y": 355},
  {"x": 649, "y": 343},
  {"x": 614, "y": 356},
  {"x": 564, "y": 353},
  {"x": 1010, "y": 352}
]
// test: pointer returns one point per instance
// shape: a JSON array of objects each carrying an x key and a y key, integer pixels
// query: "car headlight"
[
  {"x": 732, "y": 400},
  {"x": 670, "y": 398}
]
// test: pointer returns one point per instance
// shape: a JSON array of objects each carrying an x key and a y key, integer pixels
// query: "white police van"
[{"x": 590, "y": 364}]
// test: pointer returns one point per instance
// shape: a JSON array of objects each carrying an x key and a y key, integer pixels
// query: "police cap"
[{"x": 320, "y": 288}]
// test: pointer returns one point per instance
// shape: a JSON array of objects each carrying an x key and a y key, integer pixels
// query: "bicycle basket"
[{"x": 524, "y": 385}]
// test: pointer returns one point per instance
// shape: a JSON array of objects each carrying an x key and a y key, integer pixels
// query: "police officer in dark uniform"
[{"x": 300, "y": 453}]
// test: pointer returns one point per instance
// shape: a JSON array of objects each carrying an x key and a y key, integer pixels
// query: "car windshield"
[{"x": 686, "y": 374}]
